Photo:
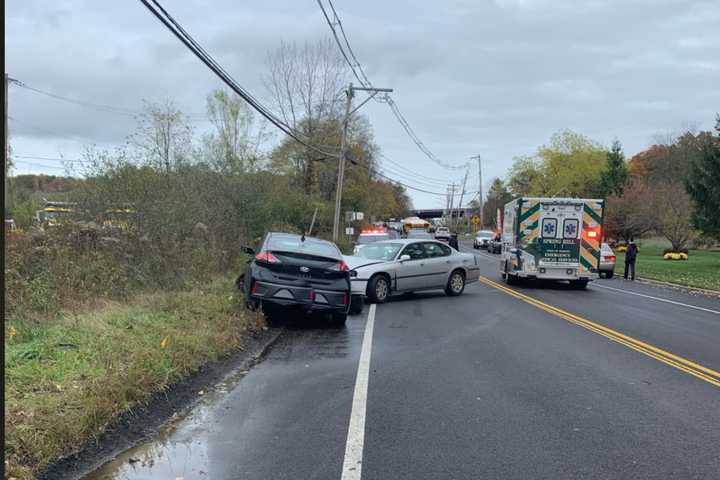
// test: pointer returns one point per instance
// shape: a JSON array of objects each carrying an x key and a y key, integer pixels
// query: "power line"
[
  {"x": 402, "y": 168},
  {"x": 366, "y": 82},
  {"x": 57, "y": 159},
  {"x": 97, "y": 106},
  {"x": 176, "y": 29},
  {"x": 396, "y": 171},
  {"x": 39, "y": 165}
]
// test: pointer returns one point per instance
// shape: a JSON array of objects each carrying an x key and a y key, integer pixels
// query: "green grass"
[
  {"x": 66, "y": 379},
  {"x": 700, "y": 270}
]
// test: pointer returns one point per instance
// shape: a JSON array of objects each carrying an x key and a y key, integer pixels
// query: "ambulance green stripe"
[
  {"x": 592, "y": 213},
  {"x": 529, "y": 212},
  {"x": 585, "y": 263}
]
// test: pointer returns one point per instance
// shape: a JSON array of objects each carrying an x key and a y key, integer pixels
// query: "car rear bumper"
[
  {"x": 607, "y": 267},
  {"x": 307, "y": 298}
]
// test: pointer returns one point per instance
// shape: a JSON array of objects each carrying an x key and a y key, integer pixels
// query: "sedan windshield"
[{"x": 379, "y": 251}]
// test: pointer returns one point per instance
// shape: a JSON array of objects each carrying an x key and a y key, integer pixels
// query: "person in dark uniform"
[
  {"x": 630, "y": 257},
  {"x": 453, "y": 242}
]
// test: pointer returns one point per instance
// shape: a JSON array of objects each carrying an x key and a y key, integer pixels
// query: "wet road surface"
[{"x": 485, "y": 385}]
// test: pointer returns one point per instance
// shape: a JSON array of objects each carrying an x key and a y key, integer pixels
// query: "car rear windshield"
[
  {"x": 365, "y": 239},
  {"x": 485, "y": 233},
  {"x": 293, "y": 244}
]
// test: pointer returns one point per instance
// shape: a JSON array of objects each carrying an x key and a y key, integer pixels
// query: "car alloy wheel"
[
  {"x": 457, "y": 283},
  {"x": 381, "y": 289}
]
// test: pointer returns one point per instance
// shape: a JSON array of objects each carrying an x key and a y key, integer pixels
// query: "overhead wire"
[
  {"x": 39, "y": 165},
  {"x": 386, "y": 98},
  {"x": 176, "y": 29},
  {"x": 97, "y": 106},
  {"x": 53, "y": 159}
]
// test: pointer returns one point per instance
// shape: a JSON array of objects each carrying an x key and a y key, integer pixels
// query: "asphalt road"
[{"x": 492, "y": 384}]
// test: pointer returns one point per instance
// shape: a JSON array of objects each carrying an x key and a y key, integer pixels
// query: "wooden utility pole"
[
  {"x": 480, "y": 187},
  {"x": 350, "y": 92},
  {"x": 462, "y": 194},
  {"x": 7, "y": 144},
  {"x": 341, "y": 164}
]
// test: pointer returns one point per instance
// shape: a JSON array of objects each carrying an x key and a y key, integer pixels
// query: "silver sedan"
[{"x": 410, "y": 265}]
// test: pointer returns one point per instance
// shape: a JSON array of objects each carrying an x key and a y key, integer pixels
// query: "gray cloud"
[{"x": 495, "y": 78}]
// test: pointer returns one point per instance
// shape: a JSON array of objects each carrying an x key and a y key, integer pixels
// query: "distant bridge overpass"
[{"x": 428, "y": 213}]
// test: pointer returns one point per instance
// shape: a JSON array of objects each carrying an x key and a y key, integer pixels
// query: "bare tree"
[
  {"x": 306, "y": 85},
  {"x": 235, "y": 144},
  {"x": 163, "y": 138}
]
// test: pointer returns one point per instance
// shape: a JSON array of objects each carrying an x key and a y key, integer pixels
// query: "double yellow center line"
[{"x": 687, "y": 366}]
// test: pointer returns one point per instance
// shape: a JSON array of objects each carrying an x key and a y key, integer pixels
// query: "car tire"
[
  {"x": 378, "y": 289},
  {"x": 578, "y": 284},
  {"x": 356, "y": 304},
  {"x": 339, "y": 319},
  {"x": 609, "y": 274},
  {"x": 273, "y": 314},
  {"x": 456, "y": 284}
]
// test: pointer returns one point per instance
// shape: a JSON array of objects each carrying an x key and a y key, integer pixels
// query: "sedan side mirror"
[
  {"x": 248, "y": 250},
  {"x": 353, "y": 273},
  {"x": 404, "y": 258}
]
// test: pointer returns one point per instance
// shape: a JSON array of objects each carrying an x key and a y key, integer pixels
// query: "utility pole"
[
  {"x": 7, "y": 143},
  {"x": 462, "y": 194},
  {"x": 350, "y": 92},
  {"x": 480, "y": 187},
  {"x": 452, "y": 204}
]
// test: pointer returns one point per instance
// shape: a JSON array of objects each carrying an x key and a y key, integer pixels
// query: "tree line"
[
  {"x": 672, "y": 188},
  {"x": 198, "y": 197}
]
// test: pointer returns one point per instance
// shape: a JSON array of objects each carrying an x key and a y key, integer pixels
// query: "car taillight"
[
  {"x": 253, "y": 287},
  {"x": 345, "y": 298},
  {"x": 312, "y": 296},
  {"x": 610, "y": 258},
  {"x": 340, "y": 267},
  {"x": 267, "y": 257}
]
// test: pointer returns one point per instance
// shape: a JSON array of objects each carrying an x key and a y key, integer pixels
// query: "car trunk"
[{"x": 304, "y": 268}]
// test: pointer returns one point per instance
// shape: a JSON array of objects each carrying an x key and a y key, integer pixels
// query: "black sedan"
[{"x": 297, "y": 272}]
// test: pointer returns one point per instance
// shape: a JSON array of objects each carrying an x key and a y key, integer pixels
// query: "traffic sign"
[{"x": 475, "y": 220}]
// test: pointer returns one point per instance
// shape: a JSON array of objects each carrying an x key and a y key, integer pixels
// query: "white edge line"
[
  {"x": 352, "y": 464},
  {"x": 659, "y": 299}
]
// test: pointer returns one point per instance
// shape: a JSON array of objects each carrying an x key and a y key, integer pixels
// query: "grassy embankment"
[
  {"x": 67, "y": 378},
  {"x": 700, "y": 270}
]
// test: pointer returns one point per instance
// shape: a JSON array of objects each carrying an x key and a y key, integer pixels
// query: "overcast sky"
[{"x": 495, "y": 78}]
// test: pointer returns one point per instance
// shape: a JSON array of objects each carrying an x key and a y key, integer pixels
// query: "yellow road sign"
[{"x": 475, "y": 219}]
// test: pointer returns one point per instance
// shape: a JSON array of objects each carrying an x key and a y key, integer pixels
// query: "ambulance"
[{"x": 552, "y": 239}]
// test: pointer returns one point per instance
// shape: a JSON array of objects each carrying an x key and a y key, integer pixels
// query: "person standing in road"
[
  {"x": 453, "y": 242},
  {"x": 630, "y": 257}
]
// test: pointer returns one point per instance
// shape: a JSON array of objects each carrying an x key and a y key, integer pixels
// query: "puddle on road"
[
  {"x": 181, "y": 450},
  {"x": 178, "y": 451}
]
